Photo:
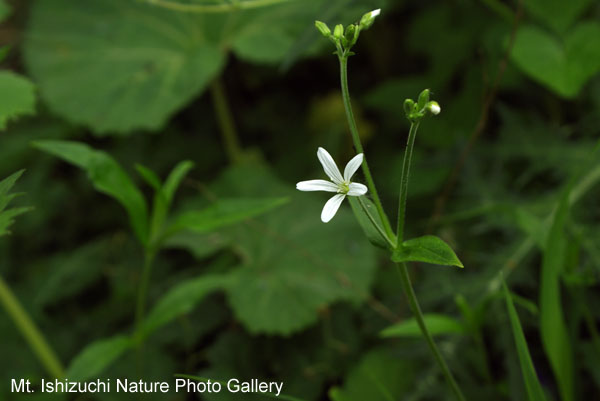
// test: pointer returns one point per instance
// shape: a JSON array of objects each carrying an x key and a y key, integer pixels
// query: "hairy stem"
[
  {"x": 226, "y": 122},
  {"x": 343, "y": 57},
  {"x": 29, "y": 330},
  {"x": 416, "y": 309},
  {"x": 412, "y": 134}
]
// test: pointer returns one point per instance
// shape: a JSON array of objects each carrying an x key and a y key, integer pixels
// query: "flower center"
[{"x": 344, "y": 187}]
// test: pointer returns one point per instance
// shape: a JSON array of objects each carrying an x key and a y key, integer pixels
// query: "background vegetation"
[{"x": 249, "y": 283}]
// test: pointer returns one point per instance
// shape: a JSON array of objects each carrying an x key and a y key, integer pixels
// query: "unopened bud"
[
  {"x": 323, "y": 28},
  {"x": 423, "y": 99},
  {"x": 367, "y": 20},
  {"x": 408, "y": 107},
  {"x": 433, "y": 107},
  {"x": 338, "y": 31}
]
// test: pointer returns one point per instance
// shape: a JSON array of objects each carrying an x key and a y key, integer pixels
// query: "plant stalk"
[
  {"x": 343, "y": 57},
  {"x": 226, "y": 123},
  {"x": 416, "y": 309},
  {"x": 29, "y": 330},
  {"x": 140, "y": 308},
  {"x": 412, "y": 134}
]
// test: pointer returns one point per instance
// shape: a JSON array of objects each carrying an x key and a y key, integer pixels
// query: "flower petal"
[
  {"x": 352, "y": 166},
  {"x": 331, "y": 207},
  {"x": 357, "y": 189},
  {"x": 331, "y": 169},
  {"x": 317, "y": 185}
]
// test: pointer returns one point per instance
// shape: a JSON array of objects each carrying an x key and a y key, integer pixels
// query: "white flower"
[
  {"x": 375, "y": 13},
  {"x": 339, "y": 184},
  {"x": 434, "y": 107}
]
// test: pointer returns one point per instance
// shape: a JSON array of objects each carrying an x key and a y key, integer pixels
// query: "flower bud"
[
  {"x": 367, "y": 20},
  {"x": 423, "y": 99},
  {"x": 433, "y": 107},
  {"x": 323, "y": 28},
  {"x": 350, "y": 31},
  {"x": 409, "y": 105},
  {"x": 338, "y": 31}
]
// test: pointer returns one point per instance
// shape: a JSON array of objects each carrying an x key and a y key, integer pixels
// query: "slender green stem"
[
  {"x": 377, "y": 226},
  {"x": 29, "y": 330},
  {"x": 416, "y": 309},
  {"x": 343, "y": 57},
  {"x": 140, "y": 308},
  {"x": 412, "y": 134},
  {"x": 226, "y": 122},
  {"x": 215, "y": 8}
]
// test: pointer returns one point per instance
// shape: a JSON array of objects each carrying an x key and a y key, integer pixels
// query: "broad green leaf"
[
  {"x": 564, "y": 66},
  {"x": 557, "y": 14},
  {"x": 180, "y": 300},
  {"x": 7, "y": 216},
  {"x": 532, "y": 384},
  {"x": 118, "y": 65},
  {"x": 372, "y": 233},
  {"x": 222, "y": 213},
  {"x": 107, "y": 176},
  {"x": 553, "y": 328},
  {"x": 96, "y": 357},
  {"x": 380, "y": 376},
  {"x": 436, "y": 323},
  {"x": 428, "y": 249},
  {"x": 293, "y": 265},
  {"x": 17, "y": 97}
]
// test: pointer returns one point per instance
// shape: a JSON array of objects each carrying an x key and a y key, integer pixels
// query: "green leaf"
[
  {"x": 17, "y": 97},
  {"x": 149, "y": 176},
  {"x": 180, "y": 300},
  {"x": 380, "y": 376},
  {"x": 428, "y": 249},
  {"x": 553, "y": 328},
  {"x": 222, "y": 213},
  {"x": 557, "y": 14},
  {"x": 7, "y": 216},
  {"x": 372, "y": 233},
  {"x": 96, "y": 357},
  {"x": 293, "y": 265},
  {"x": 107, "y": 176},
  {"x": 564, "y": 66},
  {"x": 174, "y": 179},
  {"x": 436, "y": 323},
  {"x": 118, "y": 65},
  {"x": 532, "y": 384}
]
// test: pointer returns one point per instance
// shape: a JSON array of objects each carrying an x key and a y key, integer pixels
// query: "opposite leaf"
[
  {"x": 107, "y": 176},
  {"x": 428, "y": 249},
  {"x": 96, "y": 357},
  {"x": 437, "y": 325}
]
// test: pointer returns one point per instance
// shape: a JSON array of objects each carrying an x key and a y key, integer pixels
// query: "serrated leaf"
[
  {"x": 428, "y": 249},
  {"x": 17, "y": 97},
  {"x": 96, "y": 357},
  {"x": 7, "y": 216},
  {"x": 180, "y": 300},
  {"x": 118, "y": 65},
  {"x": 436, "y": 323},
  {"x": 293, "y": 264},
  {"x": 107, "y": 176},
  {"x": 223, "y": 213},
  {"x": 564, "y": 66},
  {"x": 380, "y": 376},
  {"x": 532, "y": 384}
]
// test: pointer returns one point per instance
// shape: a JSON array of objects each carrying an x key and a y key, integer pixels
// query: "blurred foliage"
[{"x": 249, "y": 285}]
